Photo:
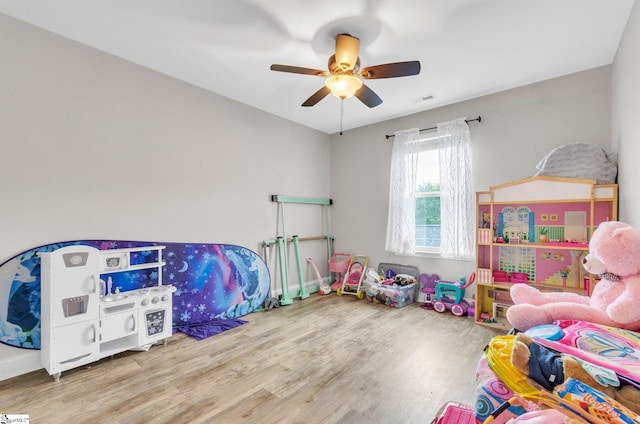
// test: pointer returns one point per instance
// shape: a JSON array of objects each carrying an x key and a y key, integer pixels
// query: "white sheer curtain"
[
  {"x": 457, "y": 201},
  {"x": 401, "y": 222}
]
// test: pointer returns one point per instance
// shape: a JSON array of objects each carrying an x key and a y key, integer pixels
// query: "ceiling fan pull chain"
[{"x": 341, "y": 113}]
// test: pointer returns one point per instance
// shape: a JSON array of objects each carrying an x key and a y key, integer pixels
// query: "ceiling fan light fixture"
[
  {"x": 344, "y": 77},
  {"x": 343, "y": 86}
]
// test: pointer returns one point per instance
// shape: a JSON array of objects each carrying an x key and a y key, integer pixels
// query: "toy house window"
[
  {"x": 515, "y": 224},
  {"x": 518, "y": 260}
]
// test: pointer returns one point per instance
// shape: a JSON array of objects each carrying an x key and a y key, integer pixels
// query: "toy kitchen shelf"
[
  {"x": 119, "y": 260},
  {"x": 536, "y": 231}
]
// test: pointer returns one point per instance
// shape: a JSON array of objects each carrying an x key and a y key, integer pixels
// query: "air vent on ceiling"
[{"x": 421, "y": 98}]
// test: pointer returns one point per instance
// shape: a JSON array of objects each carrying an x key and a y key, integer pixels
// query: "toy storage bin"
[
  {"x": 394, "y": 296},
  {"x": 389, "y": 270}
]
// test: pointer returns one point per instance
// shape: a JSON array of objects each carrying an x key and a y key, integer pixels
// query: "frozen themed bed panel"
[{"x": 213, "y": 281}]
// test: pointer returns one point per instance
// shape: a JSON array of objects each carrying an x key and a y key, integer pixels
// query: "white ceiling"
[{"x": 467, "y": 48}]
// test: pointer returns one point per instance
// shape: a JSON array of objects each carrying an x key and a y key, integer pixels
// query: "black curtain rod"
[{"x": 479, "y": 119}]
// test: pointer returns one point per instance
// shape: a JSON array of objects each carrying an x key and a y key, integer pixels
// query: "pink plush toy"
[{"x": 615, "y": 256}]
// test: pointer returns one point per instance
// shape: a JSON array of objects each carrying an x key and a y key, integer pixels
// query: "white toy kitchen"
[{"x": 85, "y": 318}]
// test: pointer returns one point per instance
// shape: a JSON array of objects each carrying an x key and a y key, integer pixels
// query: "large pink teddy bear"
[{"x": 615, "y": 301}]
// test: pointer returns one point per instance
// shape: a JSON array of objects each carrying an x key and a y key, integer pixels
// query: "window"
[
  {"x": 428, "y": 221},
  {"x": 414, "y": 201}
]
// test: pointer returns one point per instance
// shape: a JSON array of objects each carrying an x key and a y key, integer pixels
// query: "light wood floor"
[{"x": 321, "y": 360}]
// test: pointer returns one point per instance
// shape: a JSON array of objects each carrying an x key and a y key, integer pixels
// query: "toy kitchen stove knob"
[
  {"x": 165, "y": 297},
  {"x": 155, "y": 299},
  {"x": 144, "y": 302}
]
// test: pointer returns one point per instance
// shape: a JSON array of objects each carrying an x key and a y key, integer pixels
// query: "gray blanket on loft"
[{"x": 580, "y": 160}]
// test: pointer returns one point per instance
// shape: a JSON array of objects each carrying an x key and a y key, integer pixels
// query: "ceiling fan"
[{"x": 343, "y": 77}]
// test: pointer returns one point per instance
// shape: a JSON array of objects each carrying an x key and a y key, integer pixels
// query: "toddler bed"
[{"x": 612, "y": 352}]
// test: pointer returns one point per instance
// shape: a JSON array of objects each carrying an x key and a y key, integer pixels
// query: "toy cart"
[
  {"x": 352, "y": 281},
  {"x": 339, "y": 263},
  {"x": 450, "y": 295}
]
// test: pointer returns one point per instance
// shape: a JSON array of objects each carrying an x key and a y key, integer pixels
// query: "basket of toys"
[{"x": 396, "y": 292}]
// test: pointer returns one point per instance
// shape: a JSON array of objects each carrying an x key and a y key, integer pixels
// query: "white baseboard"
[
  {"x": 15, "y": 361},
  {"x": 311, "y": 286}
]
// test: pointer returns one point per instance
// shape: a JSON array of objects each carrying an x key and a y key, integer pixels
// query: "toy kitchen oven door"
[
  {"x": 155, "y": 315},
  {"x": 70, "y": 308}
]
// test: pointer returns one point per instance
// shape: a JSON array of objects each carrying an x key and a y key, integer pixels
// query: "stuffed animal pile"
[{"x": 614, "y": 255}]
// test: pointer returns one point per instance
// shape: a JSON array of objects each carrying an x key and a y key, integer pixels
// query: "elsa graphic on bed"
[{"x": 20, "y": 307}]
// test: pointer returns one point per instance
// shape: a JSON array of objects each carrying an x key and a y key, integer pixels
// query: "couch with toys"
[{"x": 571, "y": 358}]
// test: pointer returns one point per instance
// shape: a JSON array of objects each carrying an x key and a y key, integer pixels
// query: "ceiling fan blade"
[
  {"x": 317, "y": 96},
  {"x": 299, "y": 70},
  {"x": 347, "y": 47},
  {"x": 391, "y": 70},
  {"x": 368, "y": 96}
]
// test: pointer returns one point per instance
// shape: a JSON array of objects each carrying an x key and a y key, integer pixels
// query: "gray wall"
[
  {"x": 626, "y": 117},
  {"x": 97, "y": 147},
  {"x": 518, "y": 128}
]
